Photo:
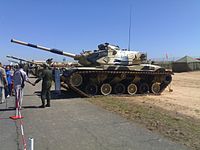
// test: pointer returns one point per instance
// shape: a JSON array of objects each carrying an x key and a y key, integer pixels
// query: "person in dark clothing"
[
  {"x": 46, "y": 77},
  {"x": 26, "y": 68}
]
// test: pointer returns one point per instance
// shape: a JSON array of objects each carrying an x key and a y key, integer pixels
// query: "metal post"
[
  {"x": 57, "y": 81},
  {"x": 6, "y": 102},
  {"x": 31, "y": 143}
]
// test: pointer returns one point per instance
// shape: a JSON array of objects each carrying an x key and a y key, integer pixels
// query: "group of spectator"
[{"x": 14, "y": 80}]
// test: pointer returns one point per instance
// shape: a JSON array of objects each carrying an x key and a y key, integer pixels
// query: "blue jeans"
[{"x": 8, "y": 90}]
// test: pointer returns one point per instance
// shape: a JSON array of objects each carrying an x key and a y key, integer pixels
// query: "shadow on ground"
[
  {"x": 30, "y": 107},
  {"x": 62, "y": 95},
  {"x": 8, "y": 109}
]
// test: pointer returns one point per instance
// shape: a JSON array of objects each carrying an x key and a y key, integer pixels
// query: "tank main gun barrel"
[
  {"x": 13, "y": 61},
  {"x": 56, "y": 51},
  {"x": 20, "y": 59}
]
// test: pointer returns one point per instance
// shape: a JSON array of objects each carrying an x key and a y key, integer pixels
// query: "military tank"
[
  {"x": 36, "y": 67},
  {"x": 32, "y": 67},
  {"x": 111, "y": 70}
]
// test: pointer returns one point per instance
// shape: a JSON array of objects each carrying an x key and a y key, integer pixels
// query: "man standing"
[
  {"x": 46, "y": 78},
  {"x": 19, "y": 79},
  {"x": 9, "y": 80},
  {"x": 3, "y": 83}
]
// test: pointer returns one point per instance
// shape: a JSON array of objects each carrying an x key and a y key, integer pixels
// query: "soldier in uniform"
[{"x": 46, "y": 77}]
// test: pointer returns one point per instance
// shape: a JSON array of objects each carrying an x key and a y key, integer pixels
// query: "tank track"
[{"x": 85, "y": 73}]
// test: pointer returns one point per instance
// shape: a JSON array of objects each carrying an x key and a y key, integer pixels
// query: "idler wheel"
[
  {"x": 144, "y": 88},
  {"x": 106, "y": 89},
  {"x": 76, "y": 79},
  {"x": 91, "y": 89},
  {"x": 119, "y": 88},
  {"x": 155, "y": 88},
  {"x": 132, "y": 89},
  {"x": 168, "y": 79}
]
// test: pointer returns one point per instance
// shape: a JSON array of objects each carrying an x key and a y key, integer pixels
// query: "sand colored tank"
[{"x": 111, "y": 70}]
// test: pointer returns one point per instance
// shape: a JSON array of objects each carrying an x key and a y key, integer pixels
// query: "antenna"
[{"x": 129, "y": 33}]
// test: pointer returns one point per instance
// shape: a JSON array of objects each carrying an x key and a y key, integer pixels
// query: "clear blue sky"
[{"x": 158, "y": 26}]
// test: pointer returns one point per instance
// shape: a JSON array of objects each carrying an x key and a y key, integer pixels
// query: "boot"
[
  {"x": 42, "y": 106},
  {"x": 48, "y": 103}
]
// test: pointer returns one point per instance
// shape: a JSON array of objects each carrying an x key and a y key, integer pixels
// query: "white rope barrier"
[
  {"x": 23, "y": 136},
  {"x": 19, "y": 116}
]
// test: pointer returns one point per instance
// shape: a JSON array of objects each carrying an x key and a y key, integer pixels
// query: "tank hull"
[{"x": 105, "y": 80}]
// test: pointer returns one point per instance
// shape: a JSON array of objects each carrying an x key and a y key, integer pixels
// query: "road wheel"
[
  {"x": 106, "y": 89},
  {"x": 155, "y": 88},
  {"x": 132, "y": 89},
  {"x": 144, "y": 88},
  {"x": 76, "y": 79},
  {"x": 119, "y": 88},
  {"x": 91, "y": 89}
]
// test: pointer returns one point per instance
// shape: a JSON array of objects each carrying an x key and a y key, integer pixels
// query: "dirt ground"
[
  {"x": 175, "y": 115},
  {"x": 184, "y": 99}
]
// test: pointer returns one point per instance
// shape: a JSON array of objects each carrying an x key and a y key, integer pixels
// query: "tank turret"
[{"x": 106, "y": 54}]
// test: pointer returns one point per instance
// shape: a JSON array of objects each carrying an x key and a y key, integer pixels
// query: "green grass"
[{"x": 170, "y": 124}]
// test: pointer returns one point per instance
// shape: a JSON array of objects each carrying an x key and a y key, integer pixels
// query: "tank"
[
  {"x": 35, "y": 67},
  {"x": 32, "y": 67},
  {"x": 111, "y": 70}
]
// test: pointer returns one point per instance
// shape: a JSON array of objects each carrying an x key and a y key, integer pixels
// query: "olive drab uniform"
[{"x": 46, "y": 77}]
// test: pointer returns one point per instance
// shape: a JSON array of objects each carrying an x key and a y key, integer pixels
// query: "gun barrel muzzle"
[
  {"x": 30, "y": 45},
  {"x": 56, "y": 51}
]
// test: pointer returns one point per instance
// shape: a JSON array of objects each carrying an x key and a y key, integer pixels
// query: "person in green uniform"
[{"x": 46, "y": 77}]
